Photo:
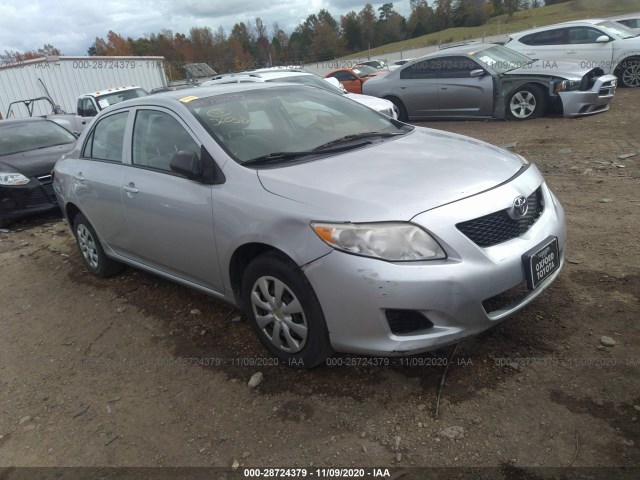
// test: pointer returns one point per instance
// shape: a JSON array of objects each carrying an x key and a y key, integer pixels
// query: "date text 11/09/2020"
[{"x": 316, "y": 472}]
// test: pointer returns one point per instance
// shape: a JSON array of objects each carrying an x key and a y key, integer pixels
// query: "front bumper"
[
  {"x": 37, "y": 196},
  {"x": 356, "y": 292},
  {"x": 578, "y": 103}
]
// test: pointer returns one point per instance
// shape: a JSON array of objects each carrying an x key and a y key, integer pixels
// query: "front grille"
[
  {"x": 499, "y": 227},
  {"x": 47, "y": 184}
]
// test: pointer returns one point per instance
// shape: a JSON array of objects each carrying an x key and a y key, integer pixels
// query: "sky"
[{"x": 73, "y": 25}]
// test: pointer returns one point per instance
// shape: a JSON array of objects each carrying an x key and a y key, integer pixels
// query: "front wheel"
[
  {"x": 91, "y": 249},
  {"x": 402, "y": 112},
  {"x": 630, "y": 73},
  {"x": 525, "y": 103},
  {"x": 284, "y": 311}
]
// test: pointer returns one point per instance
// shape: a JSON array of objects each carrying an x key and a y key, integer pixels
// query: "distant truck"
[
  {"x": 64, "y": 79},
  {"x": 88, "y": 106}
]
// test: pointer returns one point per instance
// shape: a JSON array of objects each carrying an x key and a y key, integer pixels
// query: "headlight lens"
[
  {"x": 567, "y": 85},
  {"x": 398, "y": 241},
  {"x": 13, "y": 179}
]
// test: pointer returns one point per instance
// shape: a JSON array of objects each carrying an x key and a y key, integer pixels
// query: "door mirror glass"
[{"x": 187, "y": 164}]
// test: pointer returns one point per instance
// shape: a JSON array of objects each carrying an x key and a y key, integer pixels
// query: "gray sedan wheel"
[
  {"x": 284, "y": 311},
  {"x": 525, "y": 103},
  {"x": 630, "y": 74},
  {"x": 91, "y": 249}
]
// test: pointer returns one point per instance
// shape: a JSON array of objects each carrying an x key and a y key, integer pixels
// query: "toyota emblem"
[{"x": 519, "y": 208}]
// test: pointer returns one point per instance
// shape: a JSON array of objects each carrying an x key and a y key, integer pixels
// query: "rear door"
[
  {"x": 169, "y": 218},
  {"x": 418, "y": 88},
  {"x": 460, "y": 94},
  {"x": 97, "y": 178}
]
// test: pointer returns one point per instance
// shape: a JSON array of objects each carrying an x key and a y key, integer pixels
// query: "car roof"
[
  {"x": 574, "y": 23},
  {"x": 280, "y": 73},
  {"x": 169, "y": 99},
  {"x": 13, "y": 121}
]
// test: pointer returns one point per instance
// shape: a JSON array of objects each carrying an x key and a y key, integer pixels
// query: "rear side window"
[
  {"x": 421, "y": 69},
  {"x": 549, "y": 37},
  {"x": 105, "y": 140},
  {"x": 343, "y": 76}
]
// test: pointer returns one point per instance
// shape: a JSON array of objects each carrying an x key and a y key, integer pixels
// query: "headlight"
[
  {"x": 567, "y": 85},
  {"x": 13, "y": 179},
  {"x": 398, "y": 242}
]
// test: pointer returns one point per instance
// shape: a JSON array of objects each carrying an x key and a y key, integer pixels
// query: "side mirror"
[
  {"x": 477, "y": 73},
  {"x": 603, "y": 39},
  {"x": 187, "y": 164}
]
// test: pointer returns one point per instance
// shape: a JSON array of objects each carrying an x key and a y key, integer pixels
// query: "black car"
[{"x": 29, "y": 148}]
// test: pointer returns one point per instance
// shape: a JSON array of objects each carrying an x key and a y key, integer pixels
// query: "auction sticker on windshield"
[{"x": 541, "y": 261}]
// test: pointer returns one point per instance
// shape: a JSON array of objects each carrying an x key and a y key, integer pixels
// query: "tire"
[
  {"x": 91, "y": 249},
  {"x": 297, "y": 335},
  {"x": 525, "y": 103},
  {"x": 402, "y": 112},
  {"x": 629, "y": 73}
]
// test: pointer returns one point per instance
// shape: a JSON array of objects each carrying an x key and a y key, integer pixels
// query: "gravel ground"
[{"x": 136, "y": 371}]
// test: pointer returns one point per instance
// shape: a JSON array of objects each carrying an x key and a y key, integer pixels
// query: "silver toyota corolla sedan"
[{"x": 334, "y": 227}]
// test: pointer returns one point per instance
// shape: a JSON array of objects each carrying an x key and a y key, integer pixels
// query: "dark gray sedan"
[
  {"x": 477, "y": 80},
  {"x": 29, "y": 148}
]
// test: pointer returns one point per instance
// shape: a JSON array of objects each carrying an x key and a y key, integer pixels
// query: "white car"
[
  {"x": 631, "y": 21},
  {"x": 600, "y": 43},
  {"x": 290, "y": 75}
]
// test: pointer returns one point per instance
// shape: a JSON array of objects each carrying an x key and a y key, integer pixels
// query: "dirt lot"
[{"x": 136, "y": 371}]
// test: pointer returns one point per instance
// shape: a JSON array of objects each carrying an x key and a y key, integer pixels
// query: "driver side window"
[{"x": 156, "y": 137}]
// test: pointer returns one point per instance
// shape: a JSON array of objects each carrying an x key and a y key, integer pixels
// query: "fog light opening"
[{"x": 403, "y": 322}]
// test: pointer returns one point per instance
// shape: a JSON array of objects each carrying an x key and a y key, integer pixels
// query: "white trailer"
[{"x": 64, "y": 79}]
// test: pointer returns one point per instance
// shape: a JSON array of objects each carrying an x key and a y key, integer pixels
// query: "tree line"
[{"x": 319, "y": 37}]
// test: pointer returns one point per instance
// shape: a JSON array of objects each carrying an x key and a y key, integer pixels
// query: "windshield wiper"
[
  {"x": 358, "y": 136},
  {"x": 277, "y": 157}
]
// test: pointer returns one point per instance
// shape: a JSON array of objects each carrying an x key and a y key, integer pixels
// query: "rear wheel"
[
  {"x": 91, "y": 249},
  {"x": 629, "y": 73},
  {"x": 525, "y": 103},
  {"x": 284, "y": 311},
  {"x": 402, "y": 112}
]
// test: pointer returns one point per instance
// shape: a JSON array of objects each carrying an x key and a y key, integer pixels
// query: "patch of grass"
[{"x": 505, "y": 24}]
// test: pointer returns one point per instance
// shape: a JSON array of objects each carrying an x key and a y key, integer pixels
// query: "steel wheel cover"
[
  {"x": 279, "y": 314},
  {"x": 522, "y": 104},
  {"x": 631, "y": 75},
  {"x": 87, "y": 246}
]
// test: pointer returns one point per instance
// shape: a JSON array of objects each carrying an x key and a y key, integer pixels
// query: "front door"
[{"x": 169, "y": 218}]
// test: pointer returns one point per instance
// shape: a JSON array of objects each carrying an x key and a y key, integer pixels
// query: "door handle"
[
  {"x": 78, "y": 177},
  {"x": 130, "y": 188},
  {"x": 443, "y": 88},
  {"x": 571, "y": 53}
]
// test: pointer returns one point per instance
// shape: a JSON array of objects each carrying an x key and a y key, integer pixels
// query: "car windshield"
[
  {"x": 617, "y": 29},
  {"x": 26, "y": 136},
  {"x": 109, "y": 99},
  {"x": 363, "y": 70},
  {"x": 313, "y": 80},
  {"x": 285, "y": 124},
  {"x": 501, "y": 59}
]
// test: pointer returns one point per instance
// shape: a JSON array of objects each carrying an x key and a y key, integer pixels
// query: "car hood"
[
  {"x": 374, "y": 103},
  {"x": 34, "y": 162},
  {"x": 394, "y": 180},
  {"x": 553, "y": 68}
]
